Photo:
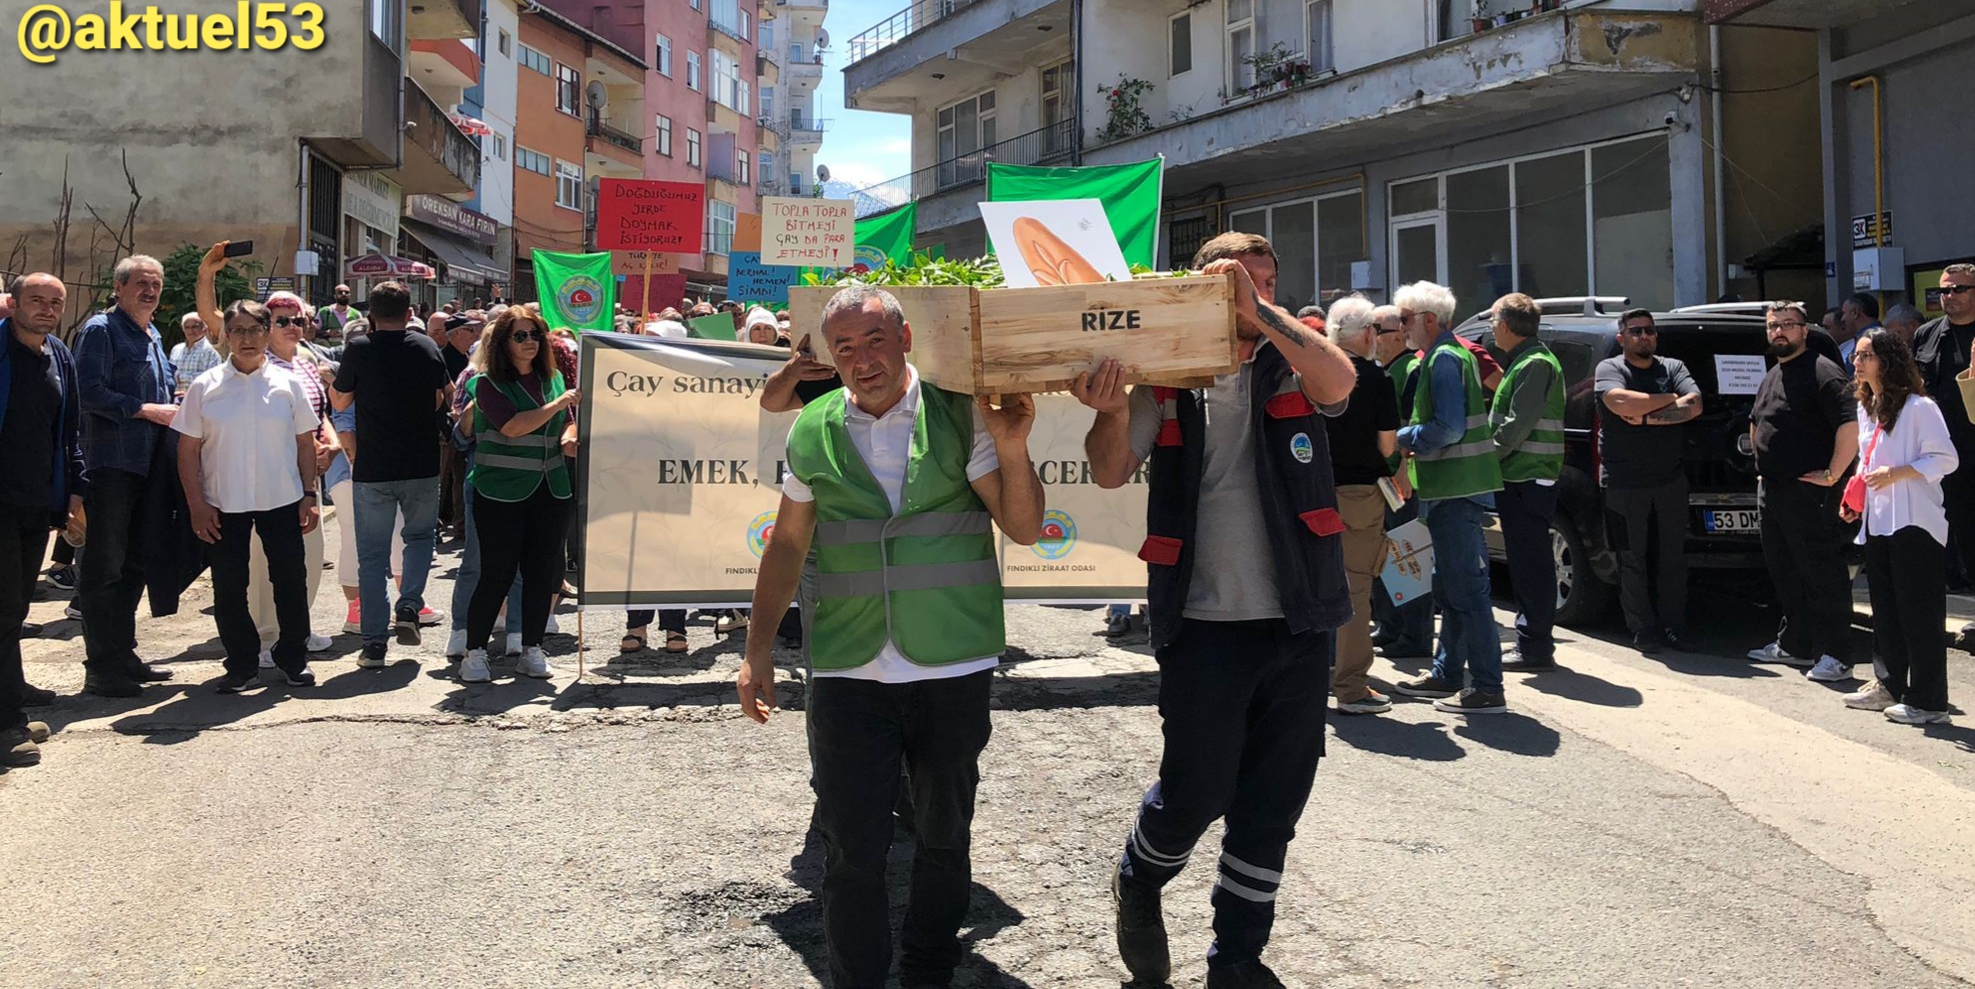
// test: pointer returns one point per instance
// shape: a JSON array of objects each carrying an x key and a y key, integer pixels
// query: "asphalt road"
[{"x": 1672, "y": 821}]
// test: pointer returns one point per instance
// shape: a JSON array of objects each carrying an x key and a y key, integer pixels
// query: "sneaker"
[
  {"x": 1872, "y": 697},
  {"x": 353, "y": 620},
  {"x": 1426, "y": 686},
  {"x": 513, "y": 644},
  {"x": 1141, "y": 931},
  {"x": 473, "y": 669},
  {"x": 1372, "y": 703},
  {"x": 1245, "y": 975},
  {"x": 552, "y": 628},
  {"x": 407, "y": 626},
  {"x": 372, "y": 657},
  {"x": 1516, "y": 662},
  {"x": 234, "y": 683},
  {"x": 317, "y": 643},
  {"x": 1773, "y": 653},
  {"x": 72, "y": 613},
  {"x": 456, "y": 646},
  {"x": 1118, "y": 625},
  {"x": 1677, "y": 642},
  {"x": 1829, "y": 670},
  {"x": 533, "y": 664},
  {"x": 267, "y": 659},
  {"x": 62, "y": 577},
  {"x": 1473, "y": 701},
  {"x": 1907, "y": 714},
  {"x": 17, "y": 749},
  {"x": 428, "y": 617},
  {"x": 303, "y": 677},
  {"x": 1648, "y": 643}
]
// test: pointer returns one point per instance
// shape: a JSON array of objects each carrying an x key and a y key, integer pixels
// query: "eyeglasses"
[
  {"x": 528, "y": 336},
  {"x": 254, "y": 330},
  {"x": 1642, "y": 331},
  {"x": 1863, "y": 355},
  {"x": 1386, "y": 333},
  {"x": 1956, "y": 289},
  {"x": 291, "y": 321},
  {"x": 1792, "y": 324}
]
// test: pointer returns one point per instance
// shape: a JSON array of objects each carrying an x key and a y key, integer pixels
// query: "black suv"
[{"x": 1722, "y": 524}]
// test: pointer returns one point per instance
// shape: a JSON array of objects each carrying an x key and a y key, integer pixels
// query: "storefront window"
[
  {"x": 1550, "y": 225},
  {"x": 1632, "y": 207},
  {"x": 1341, "y": 239},
  {"x": 1315, "y": 241},
  {"x": 1480, "y": 248}
]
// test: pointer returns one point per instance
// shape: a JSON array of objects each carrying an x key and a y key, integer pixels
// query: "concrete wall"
[{"x": 192, "y": 123}]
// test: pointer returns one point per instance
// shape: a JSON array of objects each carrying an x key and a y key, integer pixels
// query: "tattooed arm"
[{"x": 1328, "y": 376}]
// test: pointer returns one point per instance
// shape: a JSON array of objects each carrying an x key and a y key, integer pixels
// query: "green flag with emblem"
[
  {"x": 577, "y": 291},
  {"x": 1130, "y": 194}
]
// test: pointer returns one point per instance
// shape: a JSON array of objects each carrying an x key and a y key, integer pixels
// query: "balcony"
[
  {"x": 1544, "y": 66},
  {"x": 806, "y": 132},
  {"x": 435, "y": 19},
  {"x": 946, "y": 192},
  {"x": 809, "y": 12},
  {"x": 446, "y": 67},
  {"x": 439, "y": 159},
  {"x": 1800, "y": 14},
  {"x": 614, "y": 152},
  {"x": 969, "y": 43},
  {"x": 805, "y": 65}
]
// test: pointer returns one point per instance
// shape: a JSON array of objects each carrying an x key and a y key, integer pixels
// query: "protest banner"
[
  {"x": 634, "y": 263},
  {"x": 682, "y": 473},
  {"x": 646, "y": 215},
  {"x": 750, "y": 280},
  {"x": 818, "y": 233}
]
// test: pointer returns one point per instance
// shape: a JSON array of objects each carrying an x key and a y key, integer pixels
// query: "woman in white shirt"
[
  {"x": 1906, "y": 452},
  {"x": 246, "y": 459}
]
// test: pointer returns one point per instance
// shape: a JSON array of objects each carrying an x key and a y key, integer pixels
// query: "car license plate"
[{"x": 1733, "y": 520}]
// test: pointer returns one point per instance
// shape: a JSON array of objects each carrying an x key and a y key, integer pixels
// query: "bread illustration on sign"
[{"x": 1052, "y": 261}]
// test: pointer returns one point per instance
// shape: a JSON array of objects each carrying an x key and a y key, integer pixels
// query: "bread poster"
[{"x": 1054, "y": 242}]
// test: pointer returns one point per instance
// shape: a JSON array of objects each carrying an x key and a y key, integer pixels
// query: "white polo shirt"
[
  {"x": 885, "y": 444},
  {"x": 247, "y": 422}
]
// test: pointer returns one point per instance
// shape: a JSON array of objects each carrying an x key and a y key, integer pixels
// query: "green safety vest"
[
  {"x": 1541, "y": 455},
  {"x": 1401, "y": 371},
  {"x": 925, "y": 579},
  {"x": 510, "y": 468},
  {"x": 1468, "y": 466}
]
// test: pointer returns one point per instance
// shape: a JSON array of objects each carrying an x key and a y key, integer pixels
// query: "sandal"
[
  {"x": 632, "y": 643},
  {"x": 675, "y": 642}
]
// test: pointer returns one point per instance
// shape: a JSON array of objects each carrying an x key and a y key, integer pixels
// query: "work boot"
[{"x": 1141, "y": 931}]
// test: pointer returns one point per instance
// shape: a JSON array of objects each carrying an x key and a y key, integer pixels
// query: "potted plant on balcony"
[
  {"x": 1269, "y": 67},
  {"x": 1478, "y": 14},
  {"x": 1125, "y": 116}
]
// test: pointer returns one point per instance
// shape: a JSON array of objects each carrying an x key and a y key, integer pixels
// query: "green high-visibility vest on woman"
[
  {"x": 510, "y": 468},
  {"x": 1469, "y": 465},
  {"x": 1541, "y": 455},
  {"x": 925, "y": 578}
]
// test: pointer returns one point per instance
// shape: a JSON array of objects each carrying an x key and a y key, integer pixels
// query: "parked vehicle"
[{"x": 1723, "y": 528}]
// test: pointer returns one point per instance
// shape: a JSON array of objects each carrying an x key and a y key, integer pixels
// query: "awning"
[
  {"x": 464, "y": 262},
  {"x": 387, "y": 266}
]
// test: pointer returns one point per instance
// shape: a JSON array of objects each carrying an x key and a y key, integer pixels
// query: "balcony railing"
[
  {"x": 807, "y": 127},
  {"x": 440, "y": 137},
  {"x": 1033, "y": 148},
  {"x": 731, "y": 29},
  {"x": 899, "y": 26},
  {"x": 801, "y": 54},
  {"x": 612, "y": 135}
]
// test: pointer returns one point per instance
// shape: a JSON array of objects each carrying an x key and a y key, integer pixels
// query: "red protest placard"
[{"x": 644, "y": 215}]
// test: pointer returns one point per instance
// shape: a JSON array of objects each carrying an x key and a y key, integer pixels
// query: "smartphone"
[{"x": 239, "y": 249}]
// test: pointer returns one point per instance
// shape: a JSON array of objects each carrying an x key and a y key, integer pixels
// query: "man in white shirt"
[
  {"x": 246, "y": 459},
  {"x": 195, "y": 356},
  {"x": 905, "y": 627}
]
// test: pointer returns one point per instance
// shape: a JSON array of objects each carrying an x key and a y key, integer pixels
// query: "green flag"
[
  {"x": 887, "y": 235},
  {"x": 1130, "y": 194},
  {"x": 576, "y": 290}
]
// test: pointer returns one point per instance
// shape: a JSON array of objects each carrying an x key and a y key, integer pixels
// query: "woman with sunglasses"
[
  {"x": 283, "y": 349},
  {"x": 246, "y": 459},
  {"x": 520, "y": 486},
  {"x": 1906, "y": 451}
]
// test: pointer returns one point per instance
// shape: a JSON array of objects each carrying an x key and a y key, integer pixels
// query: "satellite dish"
[
  {"x": 822, "y": 38},
  {"x": 599, "y": 95},
  {"x": 822, "y": 173}
]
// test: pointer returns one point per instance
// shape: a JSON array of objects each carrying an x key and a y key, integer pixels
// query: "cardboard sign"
[
  {"x": 718, "y": 326},
  {"x": 751, "y": 281},
  {"x": 1408, "y": 569},
  {"x": 644, "y": 215},
  {"x": 633, "y": 263},
  {"x": 747, "y": 232},
  {"x": 819, "y": 233}
]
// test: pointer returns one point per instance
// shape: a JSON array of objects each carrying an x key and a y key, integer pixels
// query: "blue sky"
[{"x": 861, "y": 148}]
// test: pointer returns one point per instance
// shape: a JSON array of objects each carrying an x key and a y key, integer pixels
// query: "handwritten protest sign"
[
  {"x": 819, "y": 233},
  {"x": 750, "y": 280},
  {"x": 638, "y": 262},
  {"x": 643, "y": 215}
]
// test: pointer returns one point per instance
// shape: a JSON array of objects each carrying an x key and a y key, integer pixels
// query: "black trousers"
[
  {"x": 23, "y": 541},
  {"x": 1525, "y": 508},
  {"x": 519, "y": 536},
  {"x": 669, "y": 619},
  {"x": 1803, "y": 542},
  {"x": 109, "y": 588},
  {"x": 280, "y": 533},
  {"x": 861, "y": 733},
  {"x": 1648, "y": 528},
  {"x": 1242, "y": 706},
  {"x": 1958, "y": 499},
  {"x": 1906, "y": 574}
]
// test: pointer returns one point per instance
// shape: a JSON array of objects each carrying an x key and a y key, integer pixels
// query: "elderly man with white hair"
[
  {"x": 1361, "y": 440},
  {"x": 195, "y": 356},
  {"x": 1457, "y": 474}
]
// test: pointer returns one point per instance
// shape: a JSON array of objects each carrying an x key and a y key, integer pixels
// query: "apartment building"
[
  {"x": 1891, "y": 77},
  {"x": 491, "y": 106},
  {"x": 1556, "y": 148},
  {"x": 807, "y": 44},
  {"x": 313, "y": 161},
  {"x": 580, "y": 113}
]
